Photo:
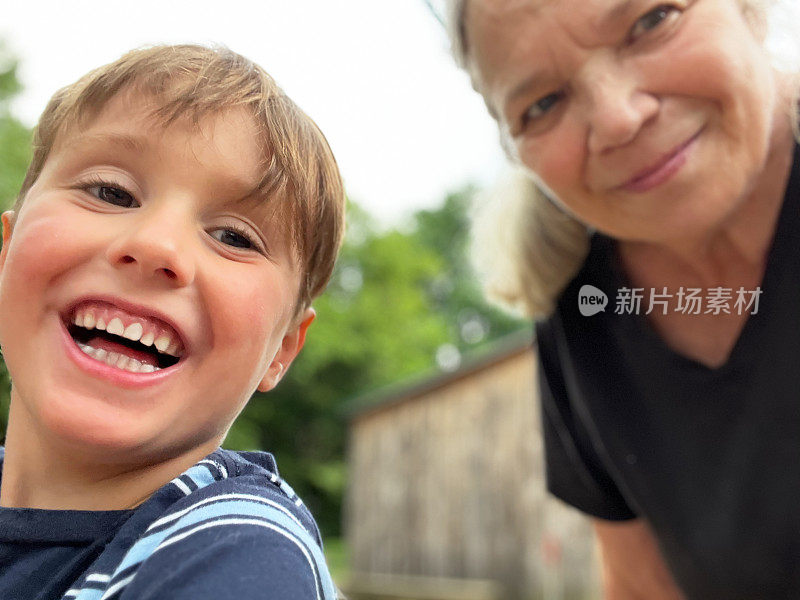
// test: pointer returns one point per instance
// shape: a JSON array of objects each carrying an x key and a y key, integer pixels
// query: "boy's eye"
[
  {"x": 650, "y": 21},
  {"x": 232, "y": 236},
  {"x": 112, "y": 195}
]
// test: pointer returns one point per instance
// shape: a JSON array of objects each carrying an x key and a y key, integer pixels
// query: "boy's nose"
[
  {"x": 156, "y": 245},
  {"x": 617, "y": 108}
]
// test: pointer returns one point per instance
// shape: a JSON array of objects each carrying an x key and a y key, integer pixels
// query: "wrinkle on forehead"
[
  {"x": 515, "y": 43},
  {"x": 496, "y": 31},
  {"x": 499, "y": 9}
]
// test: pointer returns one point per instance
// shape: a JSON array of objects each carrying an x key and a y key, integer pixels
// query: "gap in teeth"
[{"x": 115, "y": 359}]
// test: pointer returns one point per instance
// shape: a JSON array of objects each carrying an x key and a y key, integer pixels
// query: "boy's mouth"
[{"x": 122, "y": 340}]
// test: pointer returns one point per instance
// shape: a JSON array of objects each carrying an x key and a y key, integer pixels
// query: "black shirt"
[{"x": 710, "y": 457}]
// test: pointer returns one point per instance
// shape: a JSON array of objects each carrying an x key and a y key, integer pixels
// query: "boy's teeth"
[
  {"x": 115, "y": 327},
  {"x": 133, "y": 331},
  {"x": 117, "y": 360},
  {"x": 162, "y": 343}
]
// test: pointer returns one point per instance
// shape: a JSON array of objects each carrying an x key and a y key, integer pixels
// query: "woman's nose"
[
  {"x": 155, "y": 244},
  {"x": 617, "y": 106}
]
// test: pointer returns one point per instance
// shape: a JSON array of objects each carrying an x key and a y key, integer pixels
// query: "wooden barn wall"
[{"x": 450, "y": 484}]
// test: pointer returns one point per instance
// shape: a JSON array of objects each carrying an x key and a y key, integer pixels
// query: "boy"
[{"x": 178, "y": 217}]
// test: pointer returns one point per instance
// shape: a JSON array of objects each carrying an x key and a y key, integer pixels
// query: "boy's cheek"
[
  {"x": 38, "y": 247},
  {"x": 37, "y": 254},
  {"x": 256, "y": 313}
]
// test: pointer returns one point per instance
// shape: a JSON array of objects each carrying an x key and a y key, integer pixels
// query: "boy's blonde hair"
[{"x": 188, "y": 81}]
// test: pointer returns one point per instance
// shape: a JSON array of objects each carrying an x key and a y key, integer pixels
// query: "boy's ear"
[
  {"x": 8, "y": 227},
  {"x": 290, "y": 347}
]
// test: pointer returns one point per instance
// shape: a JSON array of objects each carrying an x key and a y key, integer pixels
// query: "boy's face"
[{"x": 144, "y": 224}]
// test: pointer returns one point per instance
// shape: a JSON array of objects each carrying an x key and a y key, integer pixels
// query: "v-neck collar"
[{"x": 781, "y": 249}]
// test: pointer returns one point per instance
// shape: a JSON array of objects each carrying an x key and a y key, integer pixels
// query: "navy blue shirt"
[{"x": 227, "y": 529}]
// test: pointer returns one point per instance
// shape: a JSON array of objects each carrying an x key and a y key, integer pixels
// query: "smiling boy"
[{"x": 178, "y": 217}]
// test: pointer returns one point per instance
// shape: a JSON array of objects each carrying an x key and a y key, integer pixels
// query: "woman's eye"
[
  {"x": 112, "y": 195},
  {"x": 232, "y": 237},
  {"x": 541, "y": 107},
  {"x": 650, "y": 21}
]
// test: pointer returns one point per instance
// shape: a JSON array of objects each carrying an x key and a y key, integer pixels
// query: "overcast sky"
[{"x": 375, "y": 75}]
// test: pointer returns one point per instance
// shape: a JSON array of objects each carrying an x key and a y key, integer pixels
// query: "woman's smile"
[{"x": 662, "y": 171}]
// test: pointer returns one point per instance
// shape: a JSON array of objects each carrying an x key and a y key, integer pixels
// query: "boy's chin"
[{"x": 107, "y": 439}]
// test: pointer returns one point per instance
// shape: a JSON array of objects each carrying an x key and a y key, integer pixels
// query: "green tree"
[
  {"x": 14, "y": 156},
  {"x": 14, "y": 136},
  {"x": 456, "y": 293}
]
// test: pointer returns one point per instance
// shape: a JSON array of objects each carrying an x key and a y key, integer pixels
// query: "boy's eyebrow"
[
  {"x": 127, "y": 142},
  {"x": 254, "y": 203},
  {"x": 250, "y": 200}
]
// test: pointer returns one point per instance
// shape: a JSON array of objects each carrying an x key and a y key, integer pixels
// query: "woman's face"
[{"x": 648, "y": 120}]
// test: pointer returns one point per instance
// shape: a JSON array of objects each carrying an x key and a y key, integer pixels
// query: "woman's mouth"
[{"x": 663, "y": 170}]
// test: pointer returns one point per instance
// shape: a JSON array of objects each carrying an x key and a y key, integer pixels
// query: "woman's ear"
[{"x": 290, "y": 347}]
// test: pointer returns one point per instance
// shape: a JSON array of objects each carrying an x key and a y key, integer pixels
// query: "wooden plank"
[{"x": 450, "y": 485}]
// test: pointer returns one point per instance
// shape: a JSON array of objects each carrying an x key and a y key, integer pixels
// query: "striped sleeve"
[{"x": 232, "y": 546}]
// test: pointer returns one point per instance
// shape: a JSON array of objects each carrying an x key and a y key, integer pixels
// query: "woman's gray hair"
[
  {"x": 525, "y": 246},
  {"x": 454, "y": 21}
]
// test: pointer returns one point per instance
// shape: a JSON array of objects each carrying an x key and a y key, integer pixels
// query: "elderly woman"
[{"x": 660, "y": 140}]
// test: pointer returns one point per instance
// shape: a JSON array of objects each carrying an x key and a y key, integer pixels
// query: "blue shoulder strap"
[{"x": 218, "y": 510}]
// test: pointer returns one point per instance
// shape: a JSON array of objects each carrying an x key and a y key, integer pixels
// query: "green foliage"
[
  {"x": 457, "y": 296},
  {"x": 14, "y": 156},
  {"x": 15, "y": 138},
  {"x": 338, "y": 558}
]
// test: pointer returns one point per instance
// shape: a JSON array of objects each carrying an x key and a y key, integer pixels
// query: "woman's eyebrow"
[
  {"x": 622, "y": 9},
  {"x": 523, "y": 88},
  {"x": 609, "y": 19}
]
